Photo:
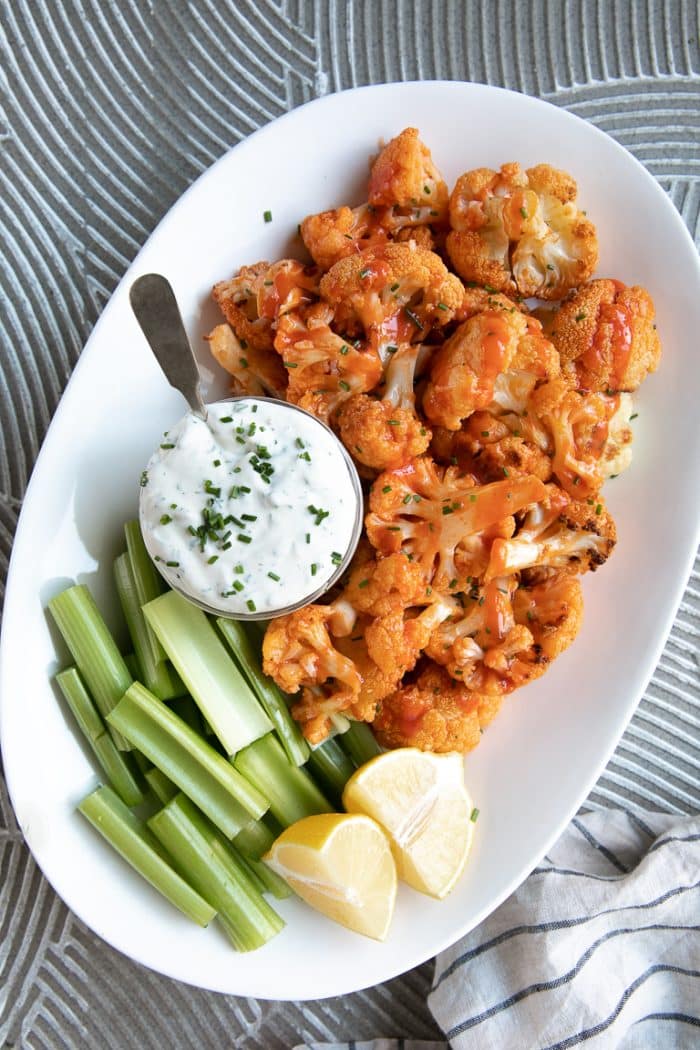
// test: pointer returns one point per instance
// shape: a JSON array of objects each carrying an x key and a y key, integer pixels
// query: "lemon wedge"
[
  {"x": 423, "y": 805},
  {"x": 342, "y": 865}
]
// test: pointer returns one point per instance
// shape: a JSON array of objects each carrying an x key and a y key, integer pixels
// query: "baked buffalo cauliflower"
[
  {"x": 407, "y": 196},
  {"x": 606, "y": 336},
  {"x": 383, "y": 434},
  {"x": 590, "y": 434},
  {"x": 520, "y": 231},
  {"x": 494, "y": 358},
  {"x": 557, "y": 534},
  {"x": 404, "y": 178},
  {"x": 441, "y": 520},
  {"x": 253, "y": 371},
  {"x": 254, "y": 299},
  {"x": 393, "y": 295},
  {"x": 298, "y": 653},
  {"x": 324, "y": 369},
  {"x": 434, "y": 713},
  {"x": 490, "y": 449}
]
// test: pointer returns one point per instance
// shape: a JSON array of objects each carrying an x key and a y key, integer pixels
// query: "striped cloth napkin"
[{"x": 600, "y": 946}]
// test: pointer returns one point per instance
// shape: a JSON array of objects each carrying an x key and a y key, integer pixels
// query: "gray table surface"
[{"x": 108, "y": 110}]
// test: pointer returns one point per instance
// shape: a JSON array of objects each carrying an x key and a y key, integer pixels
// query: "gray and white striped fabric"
[{"x": 601, "y": 945}]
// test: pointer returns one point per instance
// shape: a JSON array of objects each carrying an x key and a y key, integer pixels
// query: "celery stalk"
[
  {"x": 359, "y": 743},
  {"x": 117, "y": 766},
  {"x": 95, "y": 652},
  {"x": 291, "y": 791},
  {"x": 160, "y": 785},
  {"x": 210, "y": 864},
  {"x": 330, "y": 766},
  {"x": 147, "y": 581},
  {"x": 131, "y": 838},
  {"x": 201, "y": 772},
  {"x": 254, "y": 840},
  {"x": 156, "y": 675},
  {"x": 210, "y": 674},
  {"x": 265, "y": 689}
]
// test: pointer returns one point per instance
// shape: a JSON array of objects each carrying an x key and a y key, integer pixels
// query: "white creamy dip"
[{"x": 251, "y": 511}]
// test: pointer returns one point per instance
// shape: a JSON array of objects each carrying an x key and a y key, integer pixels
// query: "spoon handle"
[{"x": 154, "y": 304}]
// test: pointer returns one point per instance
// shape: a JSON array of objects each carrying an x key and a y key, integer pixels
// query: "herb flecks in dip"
[{"x": 250, "y": 511}]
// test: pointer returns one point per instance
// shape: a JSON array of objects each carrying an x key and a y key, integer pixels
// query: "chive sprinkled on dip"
[{"x": 233, "y": 516}]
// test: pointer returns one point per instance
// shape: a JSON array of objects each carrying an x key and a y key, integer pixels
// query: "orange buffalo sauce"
[
  {"x": 611, "y": 343},
  {"x": 497, "y": 611}
]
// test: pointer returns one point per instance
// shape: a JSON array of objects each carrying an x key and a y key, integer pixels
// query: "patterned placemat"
[{"x": 108, "y": 110}]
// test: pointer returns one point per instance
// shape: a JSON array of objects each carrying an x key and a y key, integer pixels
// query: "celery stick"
[
  {"x": 156, "y": 675},
  {"x": 131, "y": 838},
  {"x": 359, "y": 743},
  {"x": 291, "y": 791},
  {"x": 254, "y": 840},
  {"x": 116, "y": 765},
  {"x": 210, "y": 674},
  {"x": 265, "y": 689},
  {"x": 271, "y": 881},
  {"x": 210, "y": 864},
  {"x": 95, "y": 652},
  {"x": 160, "y": 785},
  {"x": 330, "y": 766},
  {"x": 147, "y": 581},
  {"x": 186, "y": 759},
  {"x": 141, "y": 762}
]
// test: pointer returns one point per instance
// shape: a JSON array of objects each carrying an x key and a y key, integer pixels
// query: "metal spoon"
[{"x": 155, "y": 306}]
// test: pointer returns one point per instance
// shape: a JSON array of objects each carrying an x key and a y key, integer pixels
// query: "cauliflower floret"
[
  {"x": 488, "y": 448},
  {"x": 333, "y": 235},
  {"x": 393, "y": 294},
  {"x": 590, "y": 434},
  {"x": 494, "y": 358},
  {"x": 298, "y": 652},
  {"x": 557, "y": 534},
  {"x": 429, "y": 512},
  {"x": 553, "y": 613},
  {"x": 404, "y": 177},
  {"x": 520, "y": 231},
  {"x": 253, "y": 371},
  {"x": 386, "y": 434},
  {"x": 258, "y": 295},
  {"x": 434, "y": 713},
  {"x": 324, "y": 369},
  {"x": 478, "y": 299},
  {"x": 606, "y": 336},
  {"x": 376, "y": 583}
]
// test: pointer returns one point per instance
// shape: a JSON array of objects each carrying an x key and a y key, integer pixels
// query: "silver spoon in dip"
[{"x": 251, "y": 507}]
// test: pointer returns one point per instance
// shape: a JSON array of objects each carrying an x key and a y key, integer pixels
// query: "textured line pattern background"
[{"x": 108, "y": 111}]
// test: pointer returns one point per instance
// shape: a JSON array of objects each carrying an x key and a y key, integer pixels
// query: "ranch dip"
[{"x": 252, "y": 511}]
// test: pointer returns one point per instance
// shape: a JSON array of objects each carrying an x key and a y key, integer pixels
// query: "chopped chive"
[
  {"x": 336, "y": 558},
  {"x": 173, "y": 564},
  {"x": 267, "y": 216},
  {"x": 505, "y": 472},
  {"x": 305, "y": 456},
  {"x": 308, "y": 537},
  {"x": 442, "y": 306},
  {"x": 314, "y": 568},
  {"x": 474, "y": 815},
  {"x": 363, "y": 583},
  {"x": 365, "y": 273},
  {"x": 226, "y": 419},
  {"x": 406, "y": 499},
  {"x": 143, "y": 481},
  {"x": 289, "y": 364},
  {"x": 523, "y": 212},
  {"x": 167, "y": 444},
  {"x": 214, "y": 557},
  {"x": 394, "y": 422},
  {"x": 413, "y": 318},
  {"x": 344, "y": 350},
  {"x": 387, "y": 488},
  {"x": 243, "y": 538},
  {"x": 251, "y": 604},
  {"x": 299, "y": 443},
  {"x": 249, "y": 517},
  {"x": 165, "y": 519},
  {"x": 394, "y": 286},
  {"x": 580, "y": 317},
  {"x": 634, "y": 416},
  {"x": 237, "y": 586},
  {"x": 599, "y": 508},
  {"x": 274, "y": 576},
  {"x": 343, "y": 385}
]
